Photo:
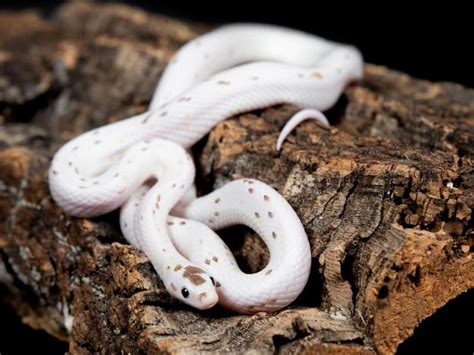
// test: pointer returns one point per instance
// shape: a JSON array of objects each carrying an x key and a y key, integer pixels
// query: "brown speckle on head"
[
  {"x": 223, "y": 82},
  {"x": 125, "y": 225},
  {"x": 174, "y": 185},
  {"x": 182, "y": 223},
  {"x": 210, "y": 220},
  {"x": 170, "y": 223},
  {"x": 217, "y": 200},
  {"x": 197, "y": 280},
  {"x": 202, "y": 295},
  {"x": 178, "y": 267},
  {"x": 164, "y": 250},
  {"x": 70, "y": 163},
  {"x": 192, "y": 273},
  {"x": 272, "y": 301},
  {"x": 75, "y": 148},
  {"x": 251, "y": 190},
  {"x": 266, "y": 197},
  {"x": 168, "y": 267},
  {"x": 194, "y": 269},
  {"x": 270, "y": 214},
  {"x": 55, "y": 172},
  {"x": 116, "y": 175},
  {"x": 250, "y": 182},
  {"x": 257, "y": 214},
  {"x": 216, "y": 214},
  {"x": 76, "y": 170},
  {"x": 215, "y": 259},
  {"x": 173, "y": 287},
  {"x": 146, "y": 118},
  {"x": 164, "y": 113},
  {"x": 207, "y": 261},
  {"x": 317, "y": 75},
  {"x": 268, "y": 272},
  {"x": 274, "y": 235}
]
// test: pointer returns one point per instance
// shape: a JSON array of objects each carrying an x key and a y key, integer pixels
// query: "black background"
[{"x": 432, "y": 42}]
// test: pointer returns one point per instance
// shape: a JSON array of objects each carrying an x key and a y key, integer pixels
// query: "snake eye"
[
  {"x": 213, "y": 282},
  {"x": 185, "y": 292}
]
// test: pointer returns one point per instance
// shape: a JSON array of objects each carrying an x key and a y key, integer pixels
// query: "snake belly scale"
[{"x": 141, "y": 164}]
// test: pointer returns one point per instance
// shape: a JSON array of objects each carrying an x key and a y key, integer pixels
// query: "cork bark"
[{"x": 385, "y": 195}]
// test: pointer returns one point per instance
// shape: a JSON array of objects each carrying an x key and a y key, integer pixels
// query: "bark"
[{"x": 385, "y": 195}]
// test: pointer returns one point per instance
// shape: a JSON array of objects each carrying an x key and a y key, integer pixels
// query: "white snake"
[{"x": 141, "y": 163}]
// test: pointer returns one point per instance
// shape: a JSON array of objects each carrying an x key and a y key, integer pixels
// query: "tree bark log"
[{"x": 385, "y": 195}]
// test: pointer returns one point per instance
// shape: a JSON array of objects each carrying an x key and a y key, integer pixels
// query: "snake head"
[{"x": 195, "y": 288}]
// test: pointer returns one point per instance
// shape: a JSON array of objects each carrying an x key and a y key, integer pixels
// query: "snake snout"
[{"x": 208, "y": 300}]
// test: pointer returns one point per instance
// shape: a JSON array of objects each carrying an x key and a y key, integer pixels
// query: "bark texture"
[{"x": 385, "y": 195}]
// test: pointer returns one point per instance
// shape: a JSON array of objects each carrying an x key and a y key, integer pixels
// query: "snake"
[{"x": 142, "y": 165}]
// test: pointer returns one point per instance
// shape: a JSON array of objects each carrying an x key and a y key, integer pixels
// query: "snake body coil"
[{"x": 141, "y": 164}]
